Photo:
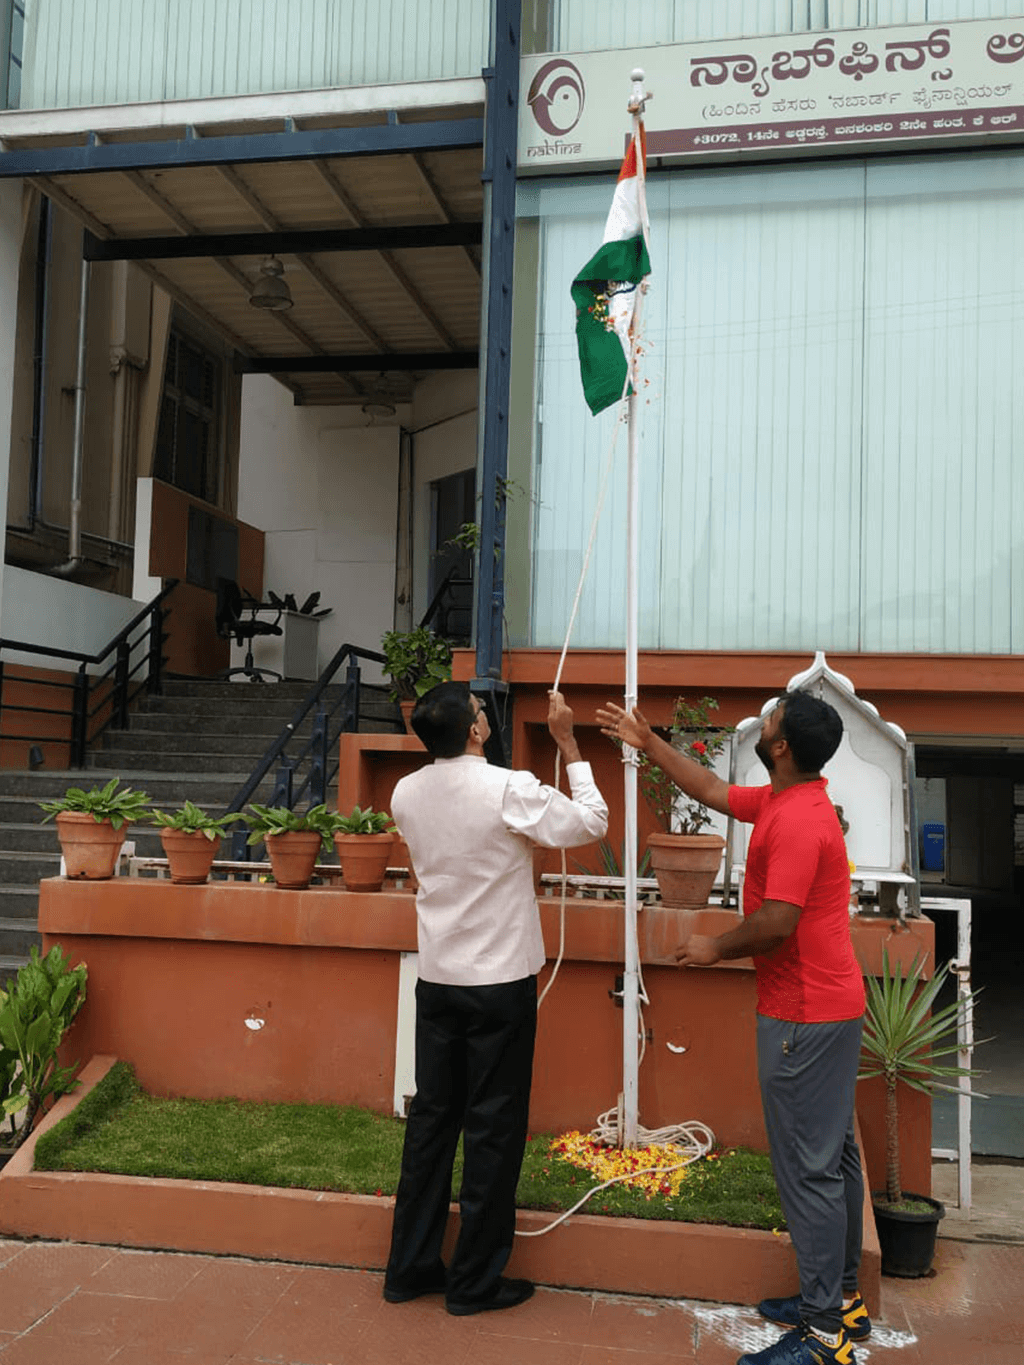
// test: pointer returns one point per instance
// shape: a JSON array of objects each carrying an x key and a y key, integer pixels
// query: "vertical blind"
[{"x": 828, "y": 413}]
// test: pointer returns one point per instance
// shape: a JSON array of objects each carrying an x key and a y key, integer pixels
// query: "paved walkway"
[{"x": 69, "y": 1304}]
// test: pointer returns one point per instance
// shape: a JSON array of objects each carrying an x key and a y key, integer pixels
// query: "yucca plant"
[{"x": 903, "y": 1041}]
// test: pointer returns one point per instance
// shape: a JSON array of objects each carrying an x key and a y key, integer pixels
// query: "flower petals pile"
[{"x": 639, "y": 1163}]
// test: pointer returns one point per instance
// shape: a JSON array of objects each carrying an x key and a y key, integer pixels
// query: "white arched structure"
[{"x": 870, "y": 777}]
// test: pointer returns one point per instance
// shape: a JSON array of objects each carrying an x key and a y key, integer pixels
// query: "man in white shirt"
[{"x": 470, "y": 829}]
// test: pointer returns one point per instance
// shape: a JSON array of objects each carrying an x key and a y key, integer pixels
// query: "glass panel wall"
[
  {"x": 829, "y": 417},
  {"x": 590, "y": 25},
  {"x": 91, "y": 52}
]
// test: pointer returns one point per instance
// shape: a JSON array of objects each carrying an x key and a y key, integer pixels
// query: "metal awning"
[{"x": 372, "y": 200}]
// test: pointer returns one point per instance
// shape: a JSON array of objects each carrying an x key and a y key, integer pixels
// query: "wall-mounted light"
[{"x": 270, "y": 289}]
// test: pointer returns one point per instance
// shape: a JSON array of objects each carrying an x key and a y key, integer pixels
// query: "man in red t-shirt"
[{"x": 810, "y": 1006}]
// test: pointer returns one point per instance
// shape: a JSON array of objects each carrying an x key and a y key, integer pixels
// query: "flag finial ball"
[{"x": 637, "y": 74}]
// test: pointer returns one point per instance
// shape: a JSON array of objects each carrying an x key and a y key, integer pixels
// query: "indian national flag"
[{"x": 604, "y": 291}]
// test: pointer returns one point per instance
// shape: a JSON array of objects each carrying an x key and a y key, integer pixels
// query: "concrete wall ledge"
[{"x": 613, "y": 1255}]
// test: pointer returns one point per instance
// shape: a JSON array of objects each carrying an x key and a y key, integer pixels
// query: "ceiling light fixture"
[
  {"x": 376, "y": 408},
  {"x": 270, "y": 289}
]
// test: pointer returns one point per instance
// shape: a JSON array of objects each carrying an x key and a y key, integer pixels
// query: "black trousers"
[{"x": 474, "y": 1066}]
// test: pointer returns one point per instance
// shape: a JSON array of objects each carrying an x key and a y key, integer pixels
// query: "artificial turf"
[{"x": 120, "y": 1129}]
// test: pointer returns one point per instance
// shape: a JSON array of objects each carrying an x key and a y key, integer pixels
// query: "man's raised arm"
[{"x": 689, "y": 776}]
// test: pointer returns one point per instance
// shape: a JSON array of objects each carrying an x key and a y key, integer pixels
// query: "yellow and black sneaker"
[
  {"x": 786, "y": 1312},
  {"x": 804, "y": 1347}
]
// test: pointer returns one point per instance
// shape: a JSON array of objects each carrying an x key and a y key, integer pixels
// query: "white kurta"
[{"x": 470, "y": 828}]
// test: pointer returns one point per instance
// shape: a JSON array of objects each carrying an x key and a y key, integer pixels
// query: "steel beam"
[
  {"x": 496, "y": 332},
  {"x": 285, "y": 243},
  {"x": 340, "y": 364},
  {"x": 377, "y": 139}
]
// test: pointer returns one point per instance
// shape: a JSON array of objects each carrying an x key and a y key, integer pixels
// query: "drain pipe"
[
  {"x": 39, "y": 360},
  {"x": 74, "y": 560}
]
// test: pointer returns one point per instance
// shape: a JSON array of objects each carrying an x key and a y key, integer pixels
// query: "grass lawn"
[{"x": 119, "y": 1129}]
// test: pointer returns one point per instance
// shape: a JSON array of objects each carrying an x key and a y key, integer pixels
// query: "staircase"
[{"x": 198, "y": 741}]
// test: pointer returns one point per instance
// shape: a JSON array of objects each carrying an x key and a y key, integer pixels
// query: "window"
[{"x": 188, "y": 438}]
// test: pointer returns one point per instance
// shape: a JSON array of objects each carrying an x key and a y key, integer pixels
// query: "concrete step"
[
  {"x": 19, "y": 902},
  {"x": 215, "y": 723},
  {"x": 245, "y": 750},
  {"x": 207, "y": 688},
  {"x": 17, "y": 936},
  {"x": 25, "y": 868},
  {"x": 129, "y": 764},
  {"x": 9, "y": 965},
  {"x": 21, "y": 792},
  {"x": 371, "y": 707}
]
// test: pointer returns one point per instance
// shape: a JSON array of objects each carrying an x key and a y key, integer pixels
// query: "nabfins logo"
[{"x": 556, "y": 97}]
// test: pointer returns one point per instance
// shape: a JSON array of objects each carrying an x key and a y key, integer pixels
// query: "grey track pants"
[{"x": 808, "y": 1076}]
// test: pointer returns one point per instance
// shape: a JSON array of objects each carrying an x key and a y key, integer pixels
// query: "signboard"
[{"x": 777, "y": 95}]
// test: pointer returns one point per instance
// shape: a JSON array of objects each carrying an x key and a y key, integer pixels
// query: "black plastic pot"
[{"x": 907, "y": 1240}]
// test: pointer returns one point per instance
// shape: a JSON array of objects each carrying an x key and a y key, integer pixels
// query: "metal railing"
[
  {"x": 305, "y": 774},
  {"x": 99, "y": 700}
]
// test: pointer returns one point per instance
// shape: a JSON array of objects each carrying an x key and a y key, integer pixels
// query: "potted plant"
[
  {"x": 191, "y": 839},
  {"x": 36, "y": 1010},
  {"x": 364, "y": 841},
  {"x": 415, "y": 661},
  {"x": 685, "y": 859},
  {"x": 293, "y": 841},
  {"x": 90, "y": 825},
  {"x": 902, "y": 1042}
]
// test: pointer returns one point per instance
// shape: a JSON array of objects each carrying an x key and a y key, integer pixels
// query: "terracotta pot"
[
  {"x": 364, "y": 859},
  {"x": 400, "y": 857},
  {"x": 292, "y": 857},
  {"x": 406, "y": 708},
  {"x": 189, "y": 854},
  {"x": 90, "y": 847},
  {"x": 686, "y": 866}
]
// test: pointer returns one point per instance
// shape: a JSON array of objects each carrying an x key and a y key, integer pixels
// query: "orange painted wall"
[
  {"x": 33, "y": 687},
  {"x": 193, "y": 646},
  {"x": 29, "y": 687},
  {"x": 175, "y": 972},
  {"x": 926, "y": 694}
]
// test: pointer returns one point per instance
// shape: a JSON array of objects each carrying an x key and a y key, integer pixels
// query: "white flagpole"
[{"x": 630, "y": 975}]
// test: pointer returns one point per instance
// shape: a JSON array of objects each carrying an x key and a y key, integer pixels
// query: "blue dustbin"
[{"x": 933, "y": 847}]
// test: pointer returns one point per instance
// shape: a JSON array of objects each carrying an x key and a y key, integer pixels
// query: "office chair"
[{"x": 231, "y": 625}]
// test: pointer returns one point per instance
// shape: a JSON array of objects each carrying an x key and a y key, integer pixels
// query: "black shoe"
[
  {"x": 507, "y": 1295},
  {"x": 429, "y": 1284},
  {"x": 786, "y": 1312}
]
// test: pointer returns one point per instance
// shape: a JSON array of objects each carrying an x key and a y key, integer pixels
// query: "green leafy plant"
[
  {"x": 693, "y": 734},
  {"x": 368, "y": 821},
  {"x": 120, "y": 805},
  {"x": 268, "y": 820},
  {"x": 415, "y": 661},
  {"x": 35, "y": 1012},
  {"x": 192, "y": 819},
  {"x": 903, "y": 1041}
]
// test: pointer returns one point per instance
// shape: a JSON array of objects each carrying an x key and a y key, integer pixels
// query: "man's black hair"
[
  {"x": 812, "y": 728},
  {"x": 442, "y": 718}
]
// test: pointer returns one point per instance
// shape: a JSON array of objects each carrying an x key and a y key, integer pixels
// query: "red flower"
[{"x": 699, "y": 747}]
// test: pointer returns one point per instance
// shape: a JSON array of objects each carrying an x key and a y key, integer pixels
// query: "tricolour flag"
[{"x": 604, "y": 291}]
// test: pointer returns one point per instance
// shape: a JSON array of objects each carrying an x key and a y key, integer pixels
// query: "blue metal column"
[{"x": 499, "y": 175}]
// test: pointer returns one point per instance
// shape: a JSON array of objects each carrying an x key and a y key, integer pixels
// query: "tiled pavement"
[{"x": 69, "y": 1304}]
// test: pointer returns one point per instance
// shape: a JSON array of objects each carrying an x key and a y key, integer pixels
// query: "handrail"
[
  {"x": 276, "y": 749},
  {"x": 113, "y": 686}
]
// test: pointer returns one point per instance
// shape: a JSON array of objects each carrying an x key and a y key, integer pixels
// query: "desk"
[{"x": 293, "y": 654}]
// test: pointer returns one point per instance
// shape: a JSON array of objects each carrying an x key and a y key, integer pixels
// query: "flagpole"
[{"x": 630, "y": 976}]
